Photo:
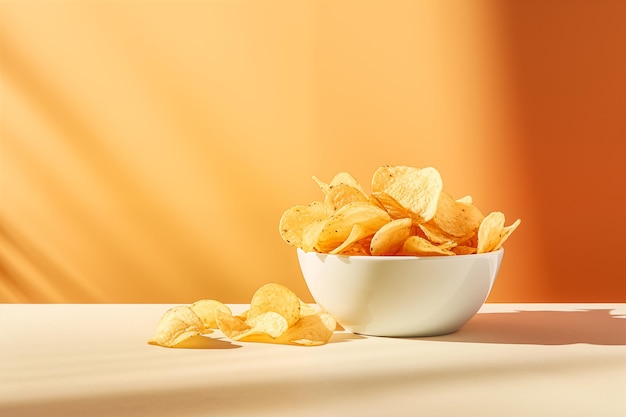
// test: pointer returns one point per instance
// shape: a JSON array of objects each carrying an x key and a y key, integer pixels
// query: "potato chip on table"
[
  {"x": 207, "y": 310},
  {"x": 177, "y": 325},
  {"x": 276, "y": 315}
]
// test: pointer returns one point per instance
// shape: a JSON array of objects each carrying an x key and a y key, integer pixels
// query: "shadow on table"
[
  {"x": 206, "y": 342},
  {"x": 345, "y": 337},
  {"x": 595, "y": 327}
]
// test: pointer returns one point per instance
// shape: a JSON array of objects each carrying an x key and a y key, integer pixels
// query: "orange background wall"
[{"x": 148, "y": 149}]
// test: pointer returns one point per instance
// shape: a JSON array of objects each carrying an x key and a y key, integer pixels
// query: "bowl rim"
[{"x": 433, "y": 258}]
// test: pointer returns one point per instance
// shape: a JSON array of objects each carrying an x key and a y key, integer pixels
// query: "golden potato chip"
[
  {"x": 357, "y": 233},
  {"x": 346, "y": 178},
  {"x": 376, "y": 202},
  {"x": 306, "y": 309},
  {"x": 389, "y": 204},
  {"x": 206, "y": 310},
  {"x": 243, "y": 315},
  {"x": 342, "y": 178},
  {"x": 506, "y": 232},
  {"x": 270, "y": 323},
  {"x": 416, "y": 189},
  {"x": 294, "y": 221},
  {"x": 454, "y": 220},
  {"x": 492, "y": 233},
  {"x": 323, "y": 186},
  {"x": 466, "y": 199},
  {"x": 233, "y": 327},
  {"x": 389, "y": 239},
  {"x": 351, "y": 218},
  {"x": 311, "y": 234},
  {"x": 274, "y": 298},
  {"x": 341, "y": 194},
  {"x": 339, "y": 226},
  {"x": 489, "y": 232},
  {"x": 276, "y": 315},
  {"x": 385, "y": 175},
  {"x": 463, "y": 250},
  {"x": 358, "y": 248},
  {"x": 417, "y": 246},
  {"x": 311, "y": 330},
  {"x": 177, "y": 325},
  {"x": 472, "y": 242}
]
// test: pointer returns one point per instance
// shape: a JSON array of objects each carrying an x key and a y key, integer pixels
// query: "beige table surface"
[{"x": 509, "y": 360}]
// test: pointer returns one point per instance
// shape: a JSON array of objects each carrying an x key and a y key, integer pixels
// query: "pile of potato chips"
[
  {"x": 407, "y": 213},
  {"x": 276, "y": 315}
]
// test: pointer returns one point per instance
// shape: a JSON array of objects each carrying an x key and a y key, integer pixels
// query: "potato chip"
[
  {"x": 418, "y": 246},
  {"x": 311, "y": 330},
  {"x": 276, "y": 315},
  {"x": 389, "y": 239},
  {"x": 270, "y": 323},
  {"x": 416, "y": 189},
  {"x": 454, "y": 221},
  {"x": 274, "y": 298},
  {"x": 506, "y": 232},
  {"x": 294, "y": 221},
  {"x": 358, "y": 248},
  {"x": 339, "y": 226},
  {"x": 357, "y": 233},
  {"x": 489, "y": 232},
  {"x": 390, "y": 205},
  {"x": 323, "y": 186},
  {"x": 377, "y": 203},
  {"x": 463, "y": 250},
  {"x": 472, "y": 242},
  {"x": 177, "y": 325},
  {"x": 402, "y": 192},
  {"x": 311, "y": 234},
  {"x": 233, "y": 327},
  {"x": 346, "y": 178},
  {"x": 492, "y": 233},
  {"x": 342, "y": 189},
  {"x": 306, "y": 309},
  {"x": 341, "y": 194},
  {"x": 206, "y": 310},
  {"x": 466, "y": 199}
]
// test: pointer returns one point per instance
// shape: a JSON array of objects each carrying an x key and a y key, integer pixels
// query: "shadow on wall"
[{"x": 567, "y": 69}]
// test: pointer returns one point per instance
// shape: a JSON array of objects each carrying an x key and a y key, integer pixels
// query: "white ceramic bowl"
[{"x": 401, "y": 296}]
